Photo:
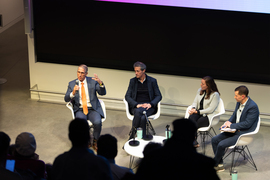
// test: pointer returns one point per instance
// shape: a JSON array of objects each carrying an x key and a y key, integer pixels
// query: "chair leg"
[
  {"x": 204, "y": 135},
  {"x": 203, "y": 138},
  {"x": 232, "y": 164},
  {"x": 241, "y": 151},
  {"x": 213, "y": 131},
  {"x": 249, "y": 157}
]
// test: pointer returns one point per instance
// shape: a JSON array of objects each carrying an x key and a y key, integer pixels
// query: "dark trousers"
[
  {"x": 95, "y": 119},
  {"x": 199, "y": 120},
  {"x": 219, "y": 144},
  {"x": 139, "y": 119}
]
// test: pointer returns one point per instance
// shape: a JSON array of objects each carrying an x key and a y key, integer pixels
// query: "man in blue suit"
[
  {"x": 82, "y": 93},
  {"x": 244, "y": 120},
  {"x": 142, "y": 95}
]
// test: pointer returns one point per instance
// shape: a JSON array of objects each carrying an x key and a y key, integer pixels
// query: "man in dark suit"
[
  {"x": 244, "y": 120},
  {"x": 142, "y": 95},
  {"x": 82, "y": 93}
]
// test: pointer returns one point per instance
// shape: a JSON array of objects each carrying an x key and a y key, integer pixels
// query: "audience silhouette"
[
  {"x": 27, "y": 162},
  {"x": 177, "y": 158},
  {"x": 80, "y": 162},
  {"x": 4, "y": 145},
  {"x": 107, "y": 147},
  {"x": 150, "y": 147}
]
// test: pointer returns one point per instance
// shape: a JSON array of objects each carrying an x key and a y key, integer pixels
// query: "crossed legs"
[{"x": 139, "y": 119}]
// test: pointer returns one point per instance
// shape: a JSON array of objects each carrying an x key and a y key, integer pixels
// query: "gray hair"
[
  {"x": 84, "y": 67},
  {"x": 139, "y": 64}
]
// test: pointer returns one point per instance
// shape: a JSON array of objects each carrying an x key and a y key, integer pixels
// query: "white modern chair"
[
  {"x": 205, "y": 131},
  {"x": 70, "y": 106},
  {"x": 152, "y": 117},
  {"x": 241, "y": 147}
]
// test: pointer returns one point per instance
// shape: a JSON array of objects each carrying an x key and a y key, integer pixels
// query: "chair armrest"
[
  {"x": 187, "y": 114},
  {"x": 130, "y": 117},
  {"x": 70, "y": 107}
]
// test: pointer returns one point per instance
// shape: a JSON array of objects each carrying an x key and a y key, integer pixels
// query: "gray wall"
[{"x": 12, "y": 11}]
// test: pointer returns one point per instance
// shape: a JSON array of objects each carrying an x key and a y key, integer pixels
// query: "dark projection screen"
[{"x": 226, "y": 45}]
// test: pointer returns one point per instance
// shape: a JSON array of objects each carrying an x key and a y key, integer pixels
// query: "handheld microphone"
[
  {"x": 144, "y": 112},
  {"x": 77, "y": 83}
]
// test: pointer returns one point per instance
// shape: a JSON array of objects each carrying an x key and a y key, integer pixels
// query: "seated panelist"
[
  {"x": 142, "y": 95},
  {"x": 244, "y": 120},
  {"x": 83, "y": 93},
  {"x": 205, "y": 104}
]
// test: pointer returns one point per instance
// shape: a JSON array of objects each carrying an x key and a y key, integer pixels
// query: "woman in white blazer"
[{"x": 205, "y": 104}]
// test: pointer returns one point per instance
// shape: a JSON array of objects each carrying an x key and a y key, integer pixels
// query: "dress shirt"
[
  {"x": 240, "y": 110},
  {"x": 86, "y": 93}
]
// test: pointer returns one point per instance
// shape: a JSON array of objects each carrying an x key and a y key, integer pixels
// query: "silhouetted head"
[
  {"x": 4, "y": 143},
  {"x": 151, "y": 147},
  {"x": 79, "y": 132},
  {"x": 184, "y": 130},
  {"x": 107, "y": 146},
  {"x": 25, "y": 144}
]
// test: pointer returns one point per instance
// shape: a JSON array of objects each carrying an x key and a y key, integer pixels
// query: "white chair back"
[
  {"x": 70, "y": 107},
  {"x": 216, "y": 117},
  {"x": 103, "y": 109},
  {"x": 187, "y": 114},
  {"x": 247, "y": 138}
]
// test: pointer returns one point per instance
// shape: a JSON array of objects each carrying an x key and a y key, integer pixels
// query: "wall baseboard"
[{"x": 5, "y": 27}]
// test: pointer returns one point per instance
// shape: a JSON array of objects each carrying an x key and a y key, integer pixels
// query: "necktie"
[{"x": 84, "y": 103}]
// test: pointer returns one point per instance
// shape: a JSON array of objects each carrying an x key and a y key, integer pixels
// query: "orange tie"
[{"x": 84, "y": 103}]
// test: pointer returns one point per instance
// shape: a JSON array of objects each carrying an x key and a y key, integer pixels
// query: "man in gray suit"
[
  {"x": 244, "y": 119},
  {"x": 82, "y": 93}
]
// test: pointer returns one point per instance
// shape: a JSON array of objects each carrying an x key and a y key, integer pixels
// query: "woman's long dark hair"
[{"x": 212, "y": 87}]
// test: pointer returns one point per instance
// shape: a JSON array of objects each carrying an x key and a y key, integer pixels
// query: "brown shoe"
[{"x": 219, "y": 168}]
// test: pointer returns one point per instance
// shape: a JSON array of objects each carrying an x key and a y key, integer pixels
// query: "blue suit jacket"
[
  {"x": 154, "y": 93},
  {"x": 248, "y": 119},
  {"x": 93, "y": 87}
]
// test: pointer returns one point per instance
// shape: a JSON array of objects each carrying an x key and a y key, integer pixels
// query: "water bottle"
[
  {"x": 139, "y": 133},
  {"x": 168, "y": 132},
  {"x": 234, "y": 175}
]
